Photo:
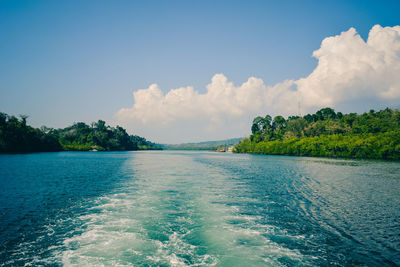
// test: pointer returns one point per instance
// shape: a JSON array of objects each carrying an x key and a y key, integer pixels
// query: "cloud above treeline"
[{"x": 350, "y": 72}]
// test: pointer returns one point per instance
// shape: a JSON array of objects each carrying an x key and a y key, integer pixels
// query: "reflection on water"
[{"x": 202, "y": 208}]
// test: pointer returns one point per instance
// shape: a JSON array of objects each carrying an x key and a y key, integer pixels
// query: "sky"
[{"x": 184, "y": 71}]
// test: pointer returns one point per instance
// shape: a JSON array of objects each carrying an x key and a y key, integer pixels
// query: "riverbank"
[
  {"x": 364, "y": 146},
  {"x": 18, "y": 137},
  {"x": 372, "y": 135}
]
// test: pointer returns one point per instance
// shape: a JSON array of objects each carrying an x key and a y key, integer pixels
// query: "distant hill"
[{"x": 208, "y": 145}]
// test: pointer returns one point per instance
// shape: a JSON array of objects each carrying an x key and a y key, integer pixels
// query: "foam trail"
[{"x": 174, "y": 211}]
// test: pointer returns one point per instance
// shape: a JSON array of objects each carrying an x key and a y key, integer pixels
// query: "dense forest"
[
  {"x": 374, "y": 135},
  {"x": 18, "y": 137}
]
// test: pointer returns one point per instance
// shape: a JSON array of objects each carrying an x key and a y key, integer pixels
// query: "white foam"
[{"x": 161, "y": 211}]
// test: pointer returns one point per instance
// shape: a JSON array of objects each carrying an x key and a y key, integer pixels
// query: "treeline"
[
  {"x": 208, "y": 145},
  {"x": 18, "y": 137},
  {"x": 374, "y": 135}
]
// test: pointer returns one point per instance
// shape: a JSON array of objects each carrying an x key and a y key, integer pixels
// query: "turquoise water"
[{"x": 164, "y": 208}]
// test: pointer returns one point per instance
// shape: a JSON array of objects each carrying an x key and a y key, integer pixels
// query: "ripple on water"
[
  {"x": 205, "y": 209},
  {"x": 177, "y": 220}
]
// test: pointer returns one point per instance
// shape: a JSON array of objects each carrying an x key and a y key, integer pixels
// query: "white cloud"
[
  {"x": 349, "y": 71},
  {"x": 350, "y": 68}
]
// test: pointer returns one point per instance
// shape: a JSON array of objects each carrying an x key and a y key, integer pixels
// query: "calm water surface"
[{"x": 197, "y": 209}]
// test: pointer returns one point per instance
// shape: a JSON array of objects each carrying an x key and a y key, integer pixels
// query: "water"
[{"x": 197, "y": 209}]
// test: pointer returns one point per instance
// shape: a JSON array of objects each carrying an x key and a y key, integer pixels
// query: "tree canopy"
[
  {"x": 327, "y": 133},
  {"x": 18, "y": 137}
]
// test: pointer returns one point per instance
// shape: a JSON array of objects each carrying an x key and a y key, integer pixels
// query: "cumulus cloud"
[
  {"x": 350, "y": 70},
  {"x": 223, "y": 111}
]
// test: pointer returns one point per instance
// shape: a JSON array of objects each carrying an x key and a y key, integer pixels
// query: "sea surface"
[{"x": 172, "y": 208}]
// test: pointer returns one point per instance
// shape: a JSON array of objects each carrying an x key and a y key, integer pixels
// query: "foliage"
[
  {"x": 143, "y": 144},
  {"x": 17, "y": 137},
  {"x": 98, "y": 136},
  {"x": 328, "y": 134}
]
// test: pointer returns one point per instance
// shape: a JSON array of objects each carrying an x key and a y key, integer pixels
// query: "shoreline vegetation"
[
  {"x": 18, "y": 137},
  {"x": 371, "y": 135},
  {"x": 218, "y": 145}
]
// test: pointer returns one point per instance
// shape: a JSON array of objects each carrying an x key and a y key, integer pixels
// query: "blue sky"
[{"x": 68, "y": 61}]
